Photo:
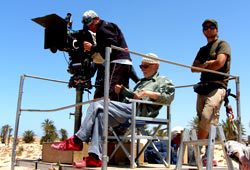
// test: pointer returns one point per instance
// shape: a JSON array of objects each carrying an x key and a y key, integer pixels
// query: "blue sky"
[{"x": 171, "y": 29}]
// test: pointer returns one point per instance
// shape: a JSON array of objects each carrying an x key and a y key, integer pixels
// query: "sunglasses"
[
  {"x": 144, "y": 66},
  {"x": 207, "y": 27},
  {"x": 87, "y": 21}
]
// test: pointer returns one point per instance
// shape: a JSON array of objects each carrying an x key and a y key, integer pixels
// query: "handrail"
[
  {"x": 42, "y": 78},
  {"x": 174, "y": 63},
  {"x": 146, "y": 102},
  {"x": 63, "y": 108},
  {"x": 19, "y": 110},
  {"x": 230, "y": 77},
  {"x": 108, "y": 51}
]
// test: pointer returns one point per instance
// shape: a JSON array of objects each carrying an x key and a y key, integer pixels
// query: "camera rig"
[{"x": 59, "y": 36}]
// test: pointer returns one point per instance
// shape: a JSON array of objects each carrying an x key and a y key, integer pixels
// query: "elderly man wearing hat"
[
  {"x": 211, "y": 90},
  {"x": 121, "y": 69},
  {"x": 151, "y": 88}
]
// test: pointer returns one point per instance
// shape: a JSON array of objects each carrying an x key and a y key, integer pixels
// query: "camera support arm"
[{"x": 78, "y": 110}]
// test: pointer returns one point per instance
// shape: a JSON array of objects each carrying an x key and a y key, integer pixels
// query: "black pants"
[{"x": 119, "y": 74}]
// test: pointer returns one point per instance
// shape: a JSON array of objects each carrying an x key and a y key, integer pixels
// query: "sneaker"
[
  {"x": 204, "y": 162},
  {"x": 92, "y": 162},
  {"x": 67, "y": 145},
  {"x": 80, "y": 164}
]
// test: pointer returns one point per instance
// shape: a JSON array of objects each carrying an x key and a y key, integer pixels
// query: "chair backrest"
[
  {"x": 151, "y": 120},
  {"x": 148, "y": 106}
]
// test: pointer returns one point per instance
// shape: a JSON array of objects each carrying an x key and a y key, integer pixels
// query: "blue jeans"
[{"x": 93, "y": 124}]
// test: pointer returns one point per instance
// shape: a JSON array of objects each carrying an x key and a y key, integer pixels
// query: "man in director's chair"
[{"x": 150, "y": 88}]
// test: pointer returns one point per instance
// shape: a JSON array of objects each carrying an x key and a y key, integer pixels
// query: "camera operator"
[{"x": 121, "y": 69}]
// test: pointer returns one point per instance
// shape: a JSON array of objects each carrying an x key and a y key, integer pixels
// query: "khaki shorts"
[{"x": 208, "y": 108}]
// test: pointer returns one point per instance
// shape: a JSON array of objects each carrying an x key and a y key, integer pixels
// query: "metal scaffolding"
[{"x": 106, "y": 100}]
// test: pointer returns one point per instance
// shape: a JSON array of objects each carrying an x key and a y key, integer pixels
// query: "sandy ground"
[
  {"x": 23, "y": 151},
  {"x": 34, "y": 151}
]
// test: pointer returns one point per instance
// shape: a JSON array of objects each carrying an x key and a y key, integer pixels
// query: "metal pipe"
[
  {"x": 173, "y": 63},
  {"x": 132, "y": 151},
  {"x": 169, "y": 134},
  {"x": 18, "y": 114},
  {"x": 237, "y": 81},
  {"x": 47, "y": 79},
  {"x": 106, "y": 105},
  {"x": 191, "y": 85},
  {"x": 78, "y": 110},
  {"x": 230, "y": 77},
  {"x": 106, "y": 100},
  {"x": 62, "y": 108}
]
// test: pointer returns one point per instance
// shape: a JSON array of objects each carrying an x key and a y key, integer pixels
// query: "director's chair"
[{"x": 137, "y": 131}]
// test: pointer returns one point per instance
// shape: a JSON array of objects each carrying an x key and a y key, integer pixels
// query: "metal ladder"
[{"x": 190, "y": 138}]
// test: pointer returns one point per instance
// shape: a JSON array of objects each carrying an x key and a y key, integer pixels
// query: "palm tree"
[
  {"x": 28, "y": 136},
  {"x": 5, "y": 133},
  {"x": 230, "y": 129},
  {"x": 194, "y": 123},
  {"x": 162, "y": 132},
  {"x": 9, "y": 135},
  {"x": 49, "y": 129},
  {"x": 64, "y": 134}
]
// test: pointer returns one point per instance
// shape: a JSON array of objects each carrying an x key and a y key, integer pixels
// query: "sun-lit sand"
[
  {"x": 23, "y": 151},
  {"x": 34, "y": 151}
]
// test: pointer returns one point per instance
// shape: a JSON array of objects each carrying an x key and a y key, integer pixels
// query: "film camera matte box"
[
  {"x": 55, "y": 31},
  {"x": 48, "y": 20}
]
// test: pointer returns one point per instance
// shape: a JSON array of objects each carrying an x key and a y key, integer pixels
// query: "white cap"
[
  {"x": 88, "y": 17},
  {"x": 176, "y": 130},
  {"x": 151, "y": 60}
]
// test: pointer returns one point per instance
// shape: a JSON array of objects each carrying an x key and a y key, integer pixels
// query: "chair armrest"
[{"x": 146, "y": 102}]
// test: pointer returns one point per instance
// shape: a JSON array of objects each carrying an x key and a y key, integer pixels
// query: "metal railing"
[
  {"x": 19, "y": 110},
  {"x": 106, "y": 99},
  {"x": 106, "y": 87}
]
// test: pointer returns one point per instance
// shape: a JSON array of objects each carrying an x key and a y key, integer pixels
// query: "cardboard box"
[
  {"x": 120, "y": 157},
  {"x": 67, "y": 157}
]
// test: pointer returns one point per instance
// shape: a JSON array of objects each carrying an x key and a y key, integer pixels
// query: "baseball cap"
[
  {"x": 88, "y": 17},
  {"x": 214, "y": 22},
  {"x": 152, "y": 60},
  {"x": 176, "y": 130}
]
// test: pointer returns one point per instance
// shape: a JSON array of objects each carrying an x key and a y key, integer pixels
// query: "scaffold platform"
[{"x": 34, "y": 164}]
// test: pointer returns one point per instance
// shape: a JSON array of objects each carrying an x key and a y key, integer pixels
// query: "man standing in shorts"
[{"x": 211, "y": 90}]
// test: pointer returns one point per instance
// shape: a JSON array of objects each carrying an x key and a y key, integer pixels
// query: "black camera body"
[{"x": 59, "y": 36}]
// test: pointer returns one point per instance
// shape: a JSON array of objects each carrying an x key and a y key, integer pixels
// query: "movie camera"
[{"x": 60, "y": 36}]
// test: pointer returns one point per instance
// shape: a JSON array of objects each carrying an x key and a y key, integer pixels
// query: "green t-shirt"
[{"x": 210, "y": 52}]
